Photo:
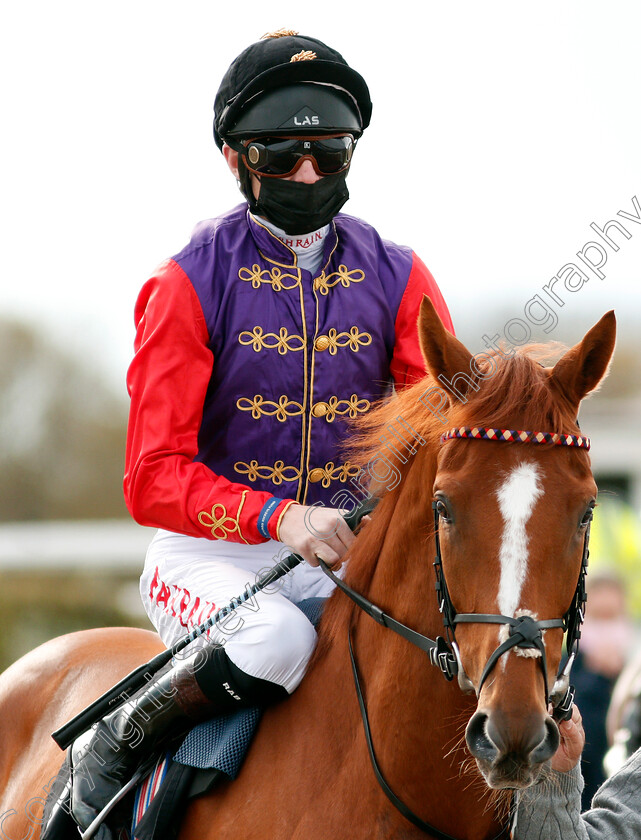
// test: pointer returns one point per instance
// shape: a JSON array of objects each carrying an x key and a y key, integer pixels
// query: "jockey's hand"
[
  {"x": 572, "y": 742},
  {"x": 314, "y": 531}
]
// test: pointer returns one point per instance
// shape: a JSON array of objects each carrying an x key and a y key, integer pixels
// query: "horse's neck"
[{"x": 417, "y": 718}]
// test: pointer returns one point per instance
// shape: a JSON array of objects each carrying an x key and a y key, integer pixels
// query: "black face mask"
[{"x": 299, "y": 208}]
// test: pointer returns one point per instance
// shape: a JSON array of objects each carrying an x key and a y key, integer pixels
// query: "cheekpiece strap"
[{"x": 516, "y": 436}]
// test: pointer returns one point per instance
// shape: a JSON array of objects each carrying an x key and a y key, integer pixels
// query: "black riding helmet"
[{"x": 284, "y": 81}]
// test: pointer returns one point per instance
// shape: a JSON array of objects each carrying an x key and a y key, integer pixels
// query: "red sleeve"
[
  {"x": 407, "y": 365},
  {"x": 167, "y": 381}
]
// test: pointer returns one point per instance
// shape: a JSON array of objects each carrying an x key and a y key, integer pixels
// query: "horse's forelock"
[
  {"x": 517, "y": 393},
  {"x": 516, "y": 386}
]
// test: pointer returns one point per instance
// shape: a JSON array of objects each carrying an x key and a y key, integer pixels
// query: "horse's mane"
[{"x": 519, "y": 390}]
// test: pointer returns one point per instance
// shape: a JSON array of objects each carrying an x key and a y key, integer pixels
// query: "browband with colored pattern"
[{"x": 514, "y": 436}]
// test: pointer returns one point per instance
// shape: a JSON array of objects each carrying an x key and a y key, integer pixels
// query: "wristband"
[{"x": 265, "y": 515}]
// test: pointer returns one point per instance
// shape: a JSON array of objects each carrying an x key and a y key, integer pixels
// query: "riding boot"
[{"x": 104, "y": 758}]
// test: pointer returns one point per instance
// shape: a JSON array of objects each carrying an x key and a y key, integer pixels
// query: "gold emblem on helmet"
[
  {"x": 303, "y": 55},
  {"x": 278, "y": 33},
  {"x": 253, "y": 154}
]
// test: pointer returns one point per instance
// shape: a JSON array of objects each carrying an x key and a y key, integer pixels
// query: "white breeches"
[{"x": 186, "y": 579}]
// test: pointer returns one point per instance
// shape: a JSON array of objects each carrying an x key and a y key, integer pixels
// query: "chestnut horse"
[{"x": 512, "y": 518}]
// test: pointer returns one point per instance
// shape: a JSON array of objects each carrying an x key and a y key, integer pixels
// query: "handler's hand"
[
  {"x": 315, "y": 532},
  {"x": 572, "y": 742}
]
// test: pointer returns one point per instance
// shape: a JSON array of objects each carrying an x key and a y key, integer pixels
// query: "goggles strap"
[{"x": 245, "y": 184}]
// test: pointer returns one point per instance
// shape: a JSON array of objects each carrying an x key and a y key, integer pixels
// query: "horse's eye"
[
  {"x": 587, "y": 516},
  {"x": 441, "y": 509}
]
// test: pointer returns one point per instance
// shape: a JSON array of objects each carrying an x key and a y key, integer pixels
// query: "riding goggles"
[{"x": 282, "y": 156}]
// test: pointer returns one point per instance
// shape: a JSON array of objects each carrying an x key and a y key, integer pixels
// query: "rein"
[{"x": 524, "y": 632}]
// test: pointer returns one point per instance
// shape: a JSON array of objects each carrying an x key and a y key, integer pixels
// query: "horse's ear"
[
  {"x": 446, "y": 358},
  {"x": 581, "y": 369}
]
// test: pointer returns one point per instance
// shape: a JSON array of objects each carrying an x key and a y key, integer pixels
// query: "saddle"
[{"x": 210, "y": 752}]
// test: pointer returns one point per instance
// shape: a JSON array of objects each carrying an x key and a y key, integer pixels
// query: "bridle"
[{"x": 525, "y": 632}]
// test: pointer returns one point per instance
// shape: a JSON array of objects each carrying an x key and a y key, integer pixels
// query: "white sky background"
[{"x": 500, "y": 131}]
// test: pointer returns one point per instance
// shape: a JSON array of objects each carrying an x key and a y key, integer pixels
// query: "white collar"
[{"x": 308, "y": 247}]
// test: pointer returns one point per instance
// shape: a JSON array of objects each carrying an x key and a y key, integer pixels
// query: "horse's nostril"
[
  {"x": 486, "y": 741},
  {"x": 549, "y": 745},
  {"x": 478, "y": 742}
]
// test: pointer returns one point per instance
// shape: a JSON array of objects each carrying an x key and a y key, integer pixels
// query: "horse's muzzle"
[{"x": 508, "y": 761}]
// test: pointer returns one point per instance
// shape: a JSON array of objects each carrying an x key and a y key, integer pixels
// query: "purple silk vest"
[{"x": 295, "y": 356}]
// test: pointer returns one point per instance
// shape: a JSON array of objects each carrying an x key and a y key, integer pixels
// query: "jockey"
[{"x": 280, "y": 320}]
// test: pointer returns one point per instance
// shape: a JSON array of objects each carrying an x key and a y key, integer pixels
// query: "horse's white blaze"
[{"x": 517, "y": 497}]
